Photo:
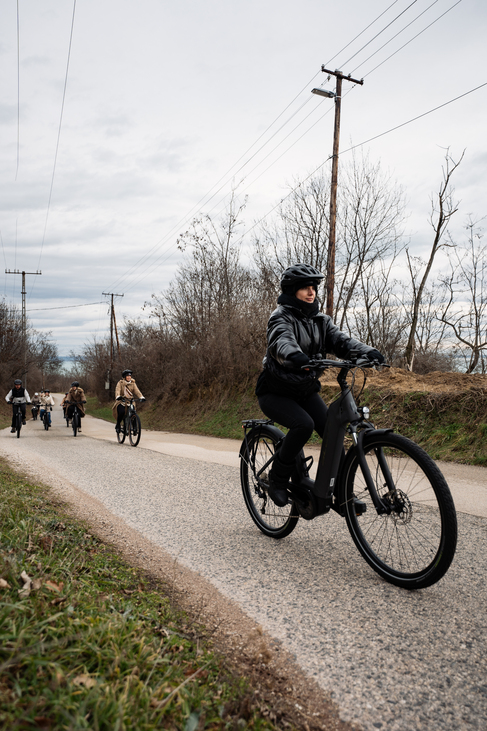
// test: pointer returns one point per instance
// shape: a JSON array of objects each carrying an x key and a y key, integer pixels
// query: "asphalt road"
[{"x": 391, "y": 659}]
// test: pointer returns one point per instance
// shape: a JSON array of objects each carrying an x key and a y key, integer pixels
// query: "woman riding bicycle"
[
  {"x": 17, "y": 395},
  {"x": 75, "y": 396},
  {"x": 297, "y": 332},
  {"x": 126, "y": 388},
  {"x": 47, "y": 402}
]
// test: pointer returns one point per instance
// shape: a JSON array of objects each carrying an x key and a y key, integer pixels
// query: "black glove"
[
  {"x": 83, "y": 402},
  {"x": 375, "y": 355},
  {"x": 120, "y": 398},
  {"x": 299, "y": 360},
  {"x": 142, "y": 399}
]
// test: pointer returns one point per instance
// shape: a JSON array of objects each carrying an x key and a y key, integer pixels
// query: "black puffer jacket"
[{"x": 294, "y": 329}]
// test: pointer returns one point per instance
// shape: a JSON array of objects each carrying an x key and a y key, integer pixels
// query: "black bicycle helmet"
[
  {"x": 299, "y": 275},
  {"x": 126, "y": 372},
  {"x": 75, "y": 384},
  {"x": 17, "y": 382}
]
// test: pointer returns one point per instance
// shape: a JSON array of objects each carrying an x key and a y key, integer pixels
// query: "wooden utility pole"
[
  {"x": 330, "y": 264},
  {"x": 113, "y": 324},
  {"x": 24, "y": 318}
]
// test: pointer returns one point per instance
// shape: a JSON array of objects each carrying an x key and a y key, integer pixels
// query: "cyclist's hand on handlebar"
[
  {"x": 375, "y": 355},
  {"x": 83, "y": 402},
  {"x": 119, "y": 398},
  {"x": 300, "y": 360},
  {"x": 141, "y": 399}
]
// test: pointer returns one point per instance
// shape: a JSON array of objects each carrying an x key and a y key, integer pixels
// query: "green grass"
[
  {"x": 100, "y": 411},
  {"x": 95, "y": 644}
]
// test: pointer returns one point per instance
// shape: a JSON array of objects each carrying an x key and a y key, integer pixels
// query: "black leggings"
[{"x": 300, "y": 417}]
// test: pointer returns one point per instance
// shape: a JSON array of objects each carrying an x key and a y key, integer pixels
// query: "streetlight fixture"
[{"x": 324, "y": 92}]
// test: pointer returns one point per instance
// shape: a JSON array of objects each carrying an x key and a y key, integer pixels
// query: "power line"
[
  {"x": 18, "y": 91},
  {"x": 354, "y": 147},
  {"x": 65, "y": 307},
  {"x": 186, "y": 218},
  {"x": 411, "y": 39},
  {"x": 59, "y": 133},
  {"x": 166, "y": 251}
]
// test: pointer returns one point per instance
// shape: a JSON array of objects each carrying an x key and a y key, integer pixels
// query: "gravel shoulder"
[{"x": 308, "y": 605}]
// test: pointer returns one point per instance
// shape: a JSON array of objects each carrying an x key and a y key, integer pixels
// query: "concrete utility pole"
[
  {"x": 330, "y": 265},
  {"x": 113, "y": 325},
  {"x": 24, "y": 317}
]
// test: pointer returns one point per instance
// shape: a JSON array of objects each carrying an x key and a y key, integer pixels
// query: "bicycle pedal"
[{"x": 359, "y": 507}]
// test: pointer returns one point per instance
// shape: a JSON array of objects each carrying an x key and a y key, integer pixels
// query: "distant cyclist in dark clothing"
[
  {"x": 18, "y": 395},
  {"x": 297, "y": 332}
]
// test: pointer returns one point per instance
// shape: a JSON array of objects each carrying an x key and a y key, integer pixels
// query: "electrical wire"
[
  {"x": 411, "y": 40},
  {"x": 65, "y": 307},
  {"x": 360, "y": 144},
  {"x": 58, "y": 137},
  {"x": 380, "y": 32},
  {"x": 18, "y": 91},
  {"x": 186, "y": 218}
]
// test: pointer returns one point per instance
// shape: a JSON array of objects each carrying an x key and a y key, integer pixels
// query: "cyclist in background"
[
  {"x": 17, "y": 395},
  {"x": 64, "y": 403},
  {"x": 75, "y": 395},
  {"x": 47, "y": 402},
  {"x": 36, "y": 404},
  {"x": 287, "y": 391},
  {"x": 126, "y": 388}
]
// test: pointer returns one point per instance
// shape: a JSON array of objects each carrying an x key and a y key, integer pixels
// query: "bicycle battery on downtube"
[{"x": 340, "y": 413}]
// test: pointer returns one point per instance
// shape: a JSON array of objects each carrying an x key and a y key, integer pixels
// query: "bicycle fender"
[{"x": 259, "y": 429}]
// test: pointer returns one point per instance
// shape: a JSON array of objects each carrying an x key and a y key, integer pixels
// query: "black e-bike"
[{"x": 395, "y": 500}]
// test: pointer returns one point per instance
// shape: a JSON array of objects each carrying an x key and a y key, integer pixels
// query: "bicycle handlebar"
[{"x": 360, "y": 362}]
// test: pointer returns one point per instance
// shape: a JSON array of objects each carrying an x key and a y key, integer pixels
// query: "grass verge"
[{"x": 89, "y": 642}]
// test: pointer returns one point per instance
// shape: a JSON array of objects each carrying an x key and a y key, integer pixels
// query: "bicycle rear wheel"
[
  {"x": 255, "y": 453},
  {"x": 75, "y": 423},
  {"x": 413, "y": 543},
  {"x": 134, "y": 431}
]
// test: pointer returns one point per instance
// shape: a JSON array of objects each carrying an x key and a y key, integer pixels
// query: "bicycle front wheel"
[
  {"x": 134, "y": 431},
  {"x": 18, "y": 424},
  {"x": 413, "y": 542},
  {"x": 75, "y": 423},
  {"x": 121, "y": 433},
  {"x": 255, "y": 454},
  {"x": 46, "y": 422}
]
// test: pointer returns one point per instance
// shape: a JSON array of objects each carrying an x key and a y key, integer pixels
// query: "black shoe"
[
  {"x": 278, "y": 495},
  {"x": 24, "y": 423},
  {"x": 278, "y": 481},
  {"x": 117, "y": 428},
  {"x": 12, "y": 430}
]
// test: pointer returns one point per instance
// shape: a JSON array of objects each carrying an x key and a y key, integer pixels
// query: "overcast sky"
[{"x": 162, "y": 98}]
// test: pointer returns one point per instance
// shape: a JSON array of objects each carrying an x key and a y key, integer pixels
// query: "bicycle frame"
[{"x": 343, "y": 416}]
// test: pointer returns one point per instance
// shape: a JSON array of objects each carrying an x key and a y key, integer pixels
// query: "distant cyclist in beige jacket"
[{"x": 126, "y": 388}]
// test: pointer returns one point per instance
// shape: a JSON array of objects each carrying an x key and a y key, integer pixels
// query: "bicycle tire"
[
  {"x": 122, "y": 433},
  {"x": 134, "y": 430},
  {"x": 75, "y": 423},
  {"x": 413, "y": 545},
  {"x": 255, "y": 451},
  {"x": 18, "y": 424},
  {"x": 45, "y": 419}
]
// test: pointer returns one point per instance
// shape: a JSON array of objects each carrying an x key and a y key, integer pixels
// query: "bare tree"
[
  {"x": 441, "y": 212},
  {"x": 465, "y": 308},
  {"x": 299, "y": 233},
  {"x": 371, "y": 219}
]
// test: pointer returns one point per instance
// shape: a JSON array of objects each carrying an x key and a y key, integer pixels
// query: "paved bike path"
[
  {"x": 391, "y": 659},
  {"x": 467, "y": 483}
]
